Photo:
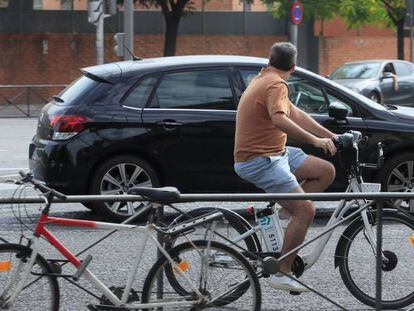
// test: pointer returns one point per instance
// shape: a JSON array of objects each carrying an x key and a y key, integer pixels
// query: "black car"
[
  {"x": 375, "y": 80},
  {"x": 171, "y": 121}
]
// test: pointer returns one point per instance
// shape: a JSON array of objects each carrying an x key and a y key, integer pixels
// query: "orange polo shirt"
[{"x": 256, "y": 134}]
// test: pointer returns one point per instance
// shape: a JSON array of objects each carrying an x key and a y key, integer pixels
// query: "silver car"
[{"x": 389, "y": 82}]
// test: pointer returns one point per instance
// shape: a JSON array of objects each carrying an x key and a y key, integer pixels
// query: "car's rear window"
[{"x": 75, "y": 91}]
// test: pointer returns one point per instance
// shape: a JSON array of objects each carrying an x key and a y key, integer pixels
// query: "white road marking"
[
  {"x": 13, "y": 168},
  {"x": 4, "y": 186}
]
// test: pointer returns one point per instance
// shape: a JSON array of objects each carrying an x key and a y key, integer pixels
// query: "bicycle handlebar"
[
  {"x": 28, "y": 177},
  {"x": 348, "y": 140},
  {"x": 352, "y": 140}
]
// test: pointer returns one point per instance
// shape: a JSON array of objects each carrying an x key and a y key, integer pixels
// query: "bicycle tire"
[
  {"x": 38, "y": 287},
  {"x": 354, "y": 275},
  {"x": 236, "y": 263},
  {"x": 238, "y": 223}
]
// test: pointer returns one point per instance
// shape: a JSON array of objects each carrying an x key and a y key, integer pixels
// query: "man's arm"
[
  {"x": 281, "y": 121},
  {"x": 308, "y": 123}
]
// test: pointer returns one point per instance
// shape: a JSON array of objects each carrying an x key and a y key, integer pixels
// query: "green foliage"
[
  {"x": 379, "y": 12},
  {"x": 354, "y": 12}
]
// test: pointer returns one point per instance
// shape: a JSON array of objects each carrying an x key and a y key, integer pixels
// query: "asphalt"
[{"x": 112, "y": 257}]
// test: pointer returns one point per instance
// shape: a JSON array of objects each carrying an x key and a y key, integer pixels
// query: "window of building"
[
  {"x": 198, "y": 89},
  {"x": 4, "y": 4},
  {"x": 58, "y": 4}
]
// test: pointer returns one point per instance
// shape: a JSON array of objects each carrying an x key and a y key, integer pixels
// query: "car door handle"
[{"x": 168, "y": 123}]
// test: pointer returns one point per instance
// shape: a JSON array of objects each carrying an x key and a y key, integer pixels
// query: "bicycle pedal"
[
  {"x": 82, "y": 267},
  {"x": 295, "y": 293}
]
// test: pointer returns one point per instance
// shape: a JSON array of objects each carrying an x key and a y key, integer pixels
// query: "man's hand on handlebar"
[{"x": 326, "y": 144}]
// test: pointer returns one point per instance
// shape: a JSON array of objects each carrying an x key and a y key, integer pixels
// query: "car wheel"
[
  {"x": 116, "y": 176},
  {"x": 397, "y": 175},
  {"x": 374, "y": 96}
]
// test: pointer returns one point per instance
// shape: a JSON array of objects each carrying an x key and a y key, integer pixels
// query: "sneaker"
[{"x": 283, "y": 282}]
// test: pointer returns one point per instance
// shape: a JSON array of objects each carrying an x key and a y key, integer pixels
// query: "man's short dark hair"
[{"x": 283, "y": 56}]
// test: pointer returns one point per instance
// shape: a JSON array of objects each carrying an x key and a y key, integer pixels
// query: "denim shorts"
[{"x": 273, "y": 174}]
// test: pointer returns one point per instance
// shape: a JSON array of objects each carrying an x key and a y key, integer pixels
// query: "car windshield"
[{"x": 356, "y": 71}]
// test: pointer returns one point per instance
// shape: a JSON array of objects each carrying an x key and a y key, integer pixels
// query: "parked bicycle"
[
  {"x": 29, "y": 280},
  {"x": 355, "y": 254}
]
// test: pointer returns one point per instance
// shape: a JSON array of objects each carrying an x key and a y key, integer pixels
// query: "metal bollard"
[{"x": 160, "y": 283}]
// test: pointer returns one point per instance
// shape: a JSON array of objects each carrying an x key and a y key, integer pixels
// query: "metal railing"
[
  {"x": 259, "y": 197},
  {"x": 25, "y": 100}
]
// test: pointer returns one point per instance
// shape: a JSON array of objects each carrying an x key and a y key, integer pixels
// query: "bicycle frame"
[
  {"x": 343, "y": 207},
  {"x": 355, "y": 185},
  {"x": 148, "y": 230}
]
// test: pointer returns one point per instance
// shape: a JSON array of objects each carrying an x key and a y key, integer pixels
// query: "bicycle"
[
  {"x": 359, "y": 234},
  {"x": 27, "y": 277}
]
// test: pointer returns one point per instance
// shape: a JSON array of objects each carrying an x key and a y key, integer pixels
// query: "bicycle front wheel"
[
  {"x": 40, "y": 292},
  {"x": 214, "y": 269},
  {"x": 357, "y": 262}
]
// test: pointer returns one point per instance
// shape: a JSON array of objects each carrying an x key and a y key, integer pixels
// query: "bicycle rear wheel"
[
  {"x": 39, "y": 293},
  {"x": 231, "y": 225},
  {"x": 216, "y": 270},
  {"x": 357, "y": 262}
]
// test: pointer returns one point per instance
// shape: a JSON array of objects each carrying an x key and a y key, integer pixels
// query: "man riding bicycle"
[{"x": 265, "y": 117}]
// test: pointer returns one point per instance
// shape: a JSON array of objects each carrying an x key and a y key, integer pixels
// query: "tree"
[
  {"x": 172, "y": 10},
  {"x": 379, "y": 12}
]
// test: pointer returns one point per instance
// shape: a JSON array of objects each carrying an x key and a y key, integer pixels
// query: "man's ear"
[{"x": 293, "y": 68}]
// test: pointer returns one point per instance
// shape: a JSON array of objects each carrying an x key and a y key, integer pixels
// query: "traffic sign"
[{"x": 296, "y": 13}]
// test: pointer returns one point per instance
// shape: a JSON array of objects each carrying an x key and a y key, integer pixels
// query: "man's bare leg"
[
  {"x": 302, "y": 213},
  {"x": 315, "y": 175}
]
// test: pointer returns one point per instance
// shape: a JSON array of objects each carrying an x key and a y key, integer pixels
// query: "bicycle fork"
[{"x": 370, "y": 235}]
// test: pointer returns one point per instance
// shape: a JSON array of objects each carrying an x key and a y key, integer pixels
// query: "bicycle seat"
[{"x": 162, "y": 195}]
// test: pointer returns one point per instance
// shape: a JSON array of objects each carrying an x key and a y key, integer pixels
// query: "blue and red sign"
[{"x": 296, "y": 13}]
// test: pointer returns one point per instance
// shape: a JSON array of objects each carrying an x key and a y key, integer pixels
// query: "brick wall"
[
  {"x": 340, "y": 45},
  {"x": 57, "y": 58},
  {"x": 335, "y": 51}
]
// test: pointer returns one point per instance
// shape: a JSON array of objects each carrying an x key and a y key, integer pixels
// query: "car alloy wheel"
[
  {"x": 115, "y": 176},
  {"x": 401, "y": 179},
  {"x": 118, "y": 180}
]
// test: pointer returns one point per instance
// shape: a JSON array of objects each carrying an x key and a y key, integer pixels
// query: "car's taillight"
[{"x": 67, "y": 126}]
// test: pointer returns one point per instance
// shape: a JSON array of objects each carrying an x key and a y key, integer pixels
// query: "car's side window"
[
  {"x": 139, "y": 95},
  {"x": 389, "y": 67},
  {"x": 196, "y": 89},
  {"x": 306, "y": 96},
  {"x": 248, "y": 74},
  {"x": 402, "y": 69},
  {"x": 334, "y": 99}
]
